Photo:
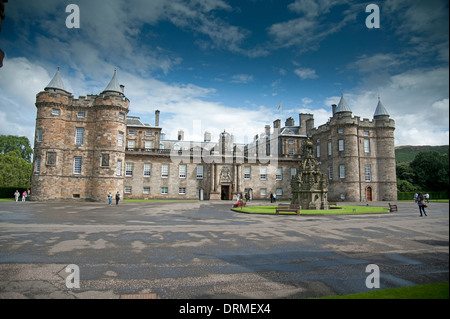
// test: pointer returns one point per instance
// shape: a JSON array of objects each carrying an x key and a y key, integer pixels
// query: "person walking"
[
  {"x": 16, "y": 195},
  {"x": 24, "y": 195},
  {"x": 271, "y": 197},
  {"x": 427, "y": 197},
  {"x": 274, "y": 197},
  {"x": 117, "y": 198},
  {"x": 109, "y": 198},
  {"x": 421, "y": 204}
]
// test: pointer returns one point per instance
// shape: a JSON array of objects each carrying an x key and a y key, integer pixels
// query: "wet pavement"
[{"x": 201, "y": 250}]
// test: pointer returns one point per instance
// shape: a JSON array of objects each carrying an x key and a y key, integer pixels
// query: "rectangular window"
[
  {"x": 247, "y": 172},
  {"x": 279, "y": 192},
  {"x": 291, "y": 151},
  {"x": 131, "y": 144},
  {"x": 132, "y": 132},
  {"x": 164, "y": 190},
  {"x": 366, "y": 133},
  {"x": 291, "y": 142},
  {"x": 293, "y": 172},
  {"x": 79, "y": 136},
  {"x": 341, "y": 145},
  {"x": 119, "y": 168},
  {"x": 340, "y": 131},
  {"x": 128, "y": 169},
  {"x": 121, "y": 116},
  {"x": 318, "y": 150},
  {"x": 279, "y": 174},
  {"x": 165, "y": 170},
  {"x": 39, "y": 135},
  {"x": 263, "y": 173},
  {"x": 77, "y": 165},
  {"x": 146, "y": 190},
  {"x": 56, "y": 112},
  {"x": 120, "y": 139},
  {"x": 148, "y": 145},
  {"x": 263, "y": 192},
  {"x": 329, "y": 148},
  {"x": 366, "y": 146},
  {"x": 368, "y": 173},
  {"x": 81, "y": 115},
  {"x": 341, "y": 171},
  {"x": 330, "y": 173},
  {"x": 147, "y": 169},
  {"x": 127, "y": 189},
  {"x": 148, "y": 133},
  {"x": 182, "y": 190},
  {"x": 199, "y": 171},
  {"x": 38, "y": 164},
  {"x": 182, "y": 171}
]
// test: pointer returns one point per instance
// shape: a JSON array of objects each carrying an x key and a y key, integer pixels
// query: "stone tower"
[
  {"x": 357, "y": 155},
  {"x": 79, "y": 144}
]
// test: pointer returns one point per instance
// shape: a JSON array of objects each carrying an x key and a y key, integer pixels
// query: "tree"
[
  {"x": 19, "y": 144},
  {"x": 14, "y": 171},
  {"x": 431, "y": 171}
]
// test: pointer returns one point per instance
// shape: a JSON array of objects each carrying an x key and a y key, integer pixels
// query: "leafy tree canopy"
[{"x": 18, "y": 144}]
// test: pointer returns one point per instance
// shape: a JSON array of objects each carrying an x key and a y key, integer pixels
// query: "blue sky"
[{"x": 223, "y": 64}]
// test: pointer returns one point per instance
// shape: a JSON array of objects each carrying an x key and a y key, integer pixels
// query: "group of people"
[
  {"x": 25, "y": 194},
  {"x": 422, "y": 201},
  {"x": 110, "y": 198}
]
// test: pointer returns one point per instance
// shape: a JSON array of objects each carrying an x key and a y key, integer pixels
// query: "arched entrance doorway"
[{"x": 369, "y": 194}]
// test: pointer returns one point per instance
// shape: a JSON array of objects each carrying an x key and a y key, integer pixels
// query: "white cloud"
[
  {"x": 305, "y": 73},
  {"x": 241, "y": 78}
]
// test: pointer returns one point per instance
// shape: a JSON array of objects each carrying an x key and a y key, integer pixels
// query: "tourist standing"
[
  {"x": 271, "y": 197},
  {"x": 117, "y": 198},
  {"x": 24, "y": 195},
  {"x": 427, "y": 197},
  {"x": 109, "y": 198},
  {"x": 16, "y": 195},
  {"x": 421, "y": 204},
  {"x": 274, "y": 198}
]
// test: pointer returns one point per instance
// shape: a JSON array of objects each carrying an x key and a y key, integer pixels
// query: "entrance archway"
[
  {"x": 369, "y": 194},
  {"x": 225, "y": 193}
]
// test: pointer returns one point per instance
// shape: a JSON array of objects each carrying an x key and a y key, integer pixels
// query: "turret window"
[
  {"x": 366, "y": 146},
  {"x": 341, "y": 145},
  {"x": 79, "y": 136},
  {"x": 77, "y": 161}
]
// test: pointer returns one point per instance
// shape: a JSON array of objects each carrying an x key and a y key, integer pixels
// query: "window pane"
[
  {"x": 147, "y": 169},
  {"x": 79, "y": 135},
  {"x": 120, "y": 139},
  {"x": 165, "y": 170},
  {"x": 128, "y": 169},
  {"x": 199, "y": 171},
  {"x": 182, "y": 171},
  {"x": 247, "y": 172},
  {"x": 119, "y": 168},
  {"x": 279, "y": 174},
  {"x": 77, "y": 165}
]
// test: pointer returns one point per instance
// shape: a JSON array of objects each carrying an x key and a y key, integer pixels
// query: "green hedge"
[
  {"x": 8, "y": 192},
  {"x": 433, "y": 195}
]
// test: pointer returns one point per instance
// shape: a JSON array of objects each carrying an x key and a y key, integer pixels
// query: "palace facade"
[{"x": 89, "y": 146}]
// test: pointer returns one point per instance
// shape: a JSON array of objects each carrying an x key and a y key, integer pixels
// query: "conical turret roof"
[
  {"x": 380, "y": 110},
  {"x": 56, "y": 82},
  {"x": 113, "y": 85},
  {"x": 342, "y": 106}
]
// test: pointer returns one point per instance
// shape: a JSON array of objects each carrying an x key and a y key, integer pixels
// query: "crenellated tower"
[{"x": 80, "y": 143}]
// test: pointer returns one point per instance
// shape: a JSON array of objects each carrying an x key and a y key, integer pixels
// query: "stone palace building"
[{"x": 89, "y": 146}]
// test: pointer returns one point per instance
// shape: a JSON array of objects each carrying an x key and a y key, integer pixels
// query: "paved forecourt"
[{"x": 204, "y": 250}]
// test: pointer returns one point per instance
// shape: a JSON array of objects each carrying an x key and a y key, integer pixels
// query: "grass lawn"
[
  {"x": 427, "y": 291},
  {"x": 338, "y": 210}
]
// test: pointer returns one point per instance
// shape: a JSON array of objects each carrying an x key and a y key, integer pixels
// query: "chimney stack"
[{"x": 157, "y": 118}]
